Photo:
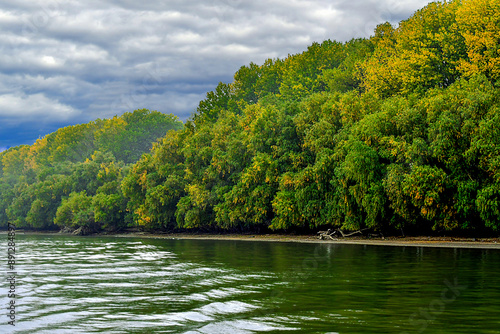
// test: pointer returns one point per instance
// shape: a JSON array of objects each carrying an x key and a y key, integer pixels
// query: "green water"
[{"x": 128, "y": 285}]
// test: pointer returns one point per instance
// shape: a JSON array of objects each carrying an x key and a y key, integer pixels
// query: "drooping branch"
[{"x": 345, "y": 235}]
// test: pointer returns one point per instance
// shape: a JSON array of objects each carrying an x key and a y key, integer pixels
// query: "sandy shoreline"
[{"x": 445, "y": 242}]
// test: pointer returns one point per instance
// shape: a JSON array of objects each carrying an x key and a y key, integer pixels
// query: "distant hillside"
[{"x": 86, "y": 158}]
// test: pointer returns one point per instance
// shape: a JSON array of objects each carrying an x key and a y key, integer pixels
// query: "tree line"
[
  {"x": 71, "y": 178},
  {"x": 396, "y": 131}
]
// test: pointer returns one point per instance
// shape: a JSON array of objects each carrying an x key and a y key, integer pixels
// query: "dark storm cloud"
[{"x": 65, "y": 62}]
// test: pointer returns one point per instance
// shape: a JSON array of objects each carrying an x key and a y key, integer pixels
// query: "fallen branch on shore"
[
  {"x": 333, "y": 234},
  {"x": 327, "y": 234}
]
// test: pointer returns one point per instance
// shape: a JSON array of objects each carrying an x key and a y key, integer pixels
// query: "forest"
[{"x": 396, "y": 132}]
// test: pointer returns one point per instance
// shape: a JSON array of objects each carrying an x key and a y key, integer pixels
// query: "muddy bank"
[
  {"x": 485, "y": 243},
  {"x": 449, "y": 242}
]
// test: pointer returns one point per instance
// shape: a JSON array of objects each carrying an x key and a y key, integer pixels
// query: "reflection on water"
[{"x": 112, "y": 285}]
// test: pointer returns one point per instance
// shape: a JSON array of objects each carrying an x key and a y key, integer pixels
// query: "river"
[{"x": 67, "y": 284}]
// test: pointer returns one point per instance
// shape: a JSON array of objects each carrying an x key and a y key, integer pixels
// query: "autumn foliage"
[{"x": 398, "y": 131}]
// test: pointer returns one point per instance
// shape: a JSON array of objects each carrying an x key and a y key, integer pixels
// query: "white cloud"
[{"x": 35, "y": 107}]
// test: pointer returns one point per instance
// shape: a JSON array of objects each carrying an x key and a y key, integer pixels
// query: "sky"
[{"x": 67, "y": 62}]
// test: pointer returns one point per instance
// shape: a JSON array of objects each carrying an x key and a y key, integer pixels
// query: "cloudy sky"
[{"x": 65, "y": 62}]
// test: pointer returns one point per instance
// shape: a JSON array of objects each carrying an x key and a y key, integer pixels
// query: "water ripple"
[
  {"x": 129, "y": 286},
  {"x": 104, "y": 285}
]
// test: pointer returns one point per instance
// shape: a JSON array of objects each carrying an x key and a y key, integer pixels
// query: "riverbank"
[{"x": 446, "y": 242}]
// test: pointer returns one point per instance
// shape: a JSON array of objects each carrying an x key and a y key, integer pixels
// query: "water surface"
[{"x": 128, "y": 285}]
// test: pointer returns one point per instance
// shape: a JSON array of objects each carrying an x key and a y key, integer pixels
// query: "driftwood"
[
  {"x": 327, "y": 234},
  {"x": 345, "y": 235},
  {"x": 333, "y": 234}
]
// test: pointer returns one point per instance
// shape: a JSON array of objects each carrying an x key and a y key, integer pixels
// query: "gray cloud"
[{"x": 65, "y": 62}]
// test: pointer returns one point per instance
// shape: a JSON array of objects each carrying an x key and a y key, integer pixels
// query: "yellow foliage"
[
  {"x": 479, "y": 22},
  {"x": 424, "y": 51},
  {"x": 143, "y": 219}
]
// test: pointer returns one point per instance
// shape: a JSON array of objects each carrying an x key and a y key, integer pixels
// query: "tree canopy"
[{"x": 396, "y": 131}]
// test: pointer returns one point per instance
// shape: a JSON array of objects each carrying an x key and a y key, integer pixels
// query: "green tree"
[
  {"x": 76, "y": 211},
  {"x": 215, "y": 102}
]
